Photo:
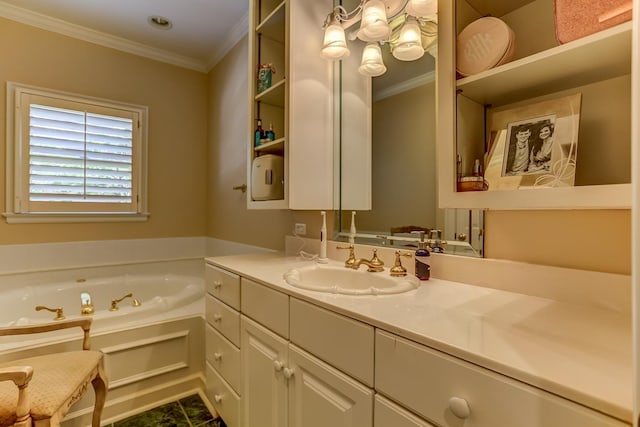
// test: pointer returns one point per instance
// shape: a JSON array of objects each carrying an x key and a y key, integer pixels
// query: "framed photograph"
[{"x": 533, "y": 145}]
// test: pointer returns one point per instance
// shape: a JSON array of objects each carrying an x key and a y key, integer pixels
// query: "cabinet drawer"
[
  {"x": 223, "y": 356},
  {"x": 388, "y": 414},
  {"x": 266, "y": 306},
  {"x": 223, "y": 318},
  {"x": 223, "y": 398},
  {"x": 340, "y": 341},
  {"x": 425, "y": 380},
  {"x": 223, "y": 285}
]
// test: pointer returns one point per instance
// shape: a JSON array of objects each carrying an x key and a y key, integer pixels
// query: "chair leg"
[{"x": 100, "y": 391}]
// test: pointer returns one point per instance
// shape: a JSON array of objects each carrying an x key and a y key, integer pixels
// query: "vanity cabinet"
[
  {"x": 598, "y": 66},
  {"x": 222, "y": 341},
  {"x": 450, "y": 391},
  {"x": 284, "y": 384},
  {"x": 287, "y": 35}
]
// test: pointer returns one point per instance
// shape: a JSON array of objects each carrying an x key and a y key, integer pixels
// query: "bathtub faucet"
[
  {"x": 86, "y": 306},
  {"x": 58, "y": 311},
  {"x": 114, "y": 302}
]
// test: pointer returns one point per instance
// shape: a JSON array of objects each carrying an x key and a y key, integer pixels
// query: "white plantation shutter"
[{"x": 76, "y": 155}]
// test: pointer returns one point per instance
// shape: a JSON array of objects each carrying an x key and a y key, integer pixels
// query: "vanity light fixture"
[{"x": 408, "y": 26}]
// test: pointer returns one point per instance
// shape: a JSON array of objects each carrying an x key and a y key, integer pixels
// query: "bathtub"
[
  {"x": 162, "y": 297},
  {"x": 153, "y": 352}
]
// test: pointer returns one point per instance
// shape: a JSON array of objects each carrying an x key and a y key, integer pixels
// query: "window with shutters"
[{"x": 71, "y": 157}]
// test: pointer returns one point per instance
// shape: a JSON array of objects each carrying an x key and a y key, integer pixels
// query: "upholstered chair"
[{"x": 38, "y": 391}]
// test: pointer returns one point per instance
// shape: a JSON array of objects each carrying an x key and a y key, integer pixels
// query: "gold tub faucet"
[{"x": 86, "y": 306}]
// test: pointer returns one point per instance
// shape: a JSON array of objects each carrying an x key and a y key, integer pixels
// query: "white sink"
[{"x": 341, "y": 280}]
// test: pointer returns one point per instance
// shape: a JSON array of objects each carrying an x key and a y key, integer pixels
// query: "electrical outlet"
[{"x": 300, "y": 229}]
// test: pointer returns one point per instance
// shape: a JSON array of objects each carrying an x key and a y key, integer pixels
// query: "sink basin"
[{"x": 340, "y": 280}]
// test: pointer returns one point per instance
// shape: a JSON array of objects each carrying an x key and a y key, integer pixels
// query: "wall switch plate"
[{"x": 300, "y": 229}]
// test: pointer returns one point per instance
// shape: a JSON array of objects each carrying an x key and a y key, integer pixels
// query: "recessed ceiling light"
[{"x": 159, "y": 22}]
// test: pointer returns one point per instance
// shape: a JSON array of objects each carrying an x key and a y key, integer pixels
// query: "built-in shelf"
[
  {"x": 272, "y": 25},
  {"x": 274, "y": 95},
  {"x": 597, "y": 57},
  {"x": 270, "y": 147}
]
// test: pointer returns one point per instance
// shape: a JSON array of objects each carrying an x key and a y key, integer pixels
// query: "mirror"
[{"x": 403, "y": 167}]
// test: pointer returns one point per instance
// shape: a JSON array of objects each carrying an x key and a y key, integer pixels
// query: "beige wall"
[
  {"x": 228, "y": 216},
  {"x": 177, "y": 101}
]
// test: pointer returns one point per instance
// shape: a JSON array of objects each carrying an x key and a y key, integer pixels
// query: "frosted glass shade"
[
  {"x": 335, "y": 45},
  {"x": 374, "y": 26},
  {"x": 422, "y": 7},
  {"x": 409, "y": 44},
  {"x": 372, "y": 64}
]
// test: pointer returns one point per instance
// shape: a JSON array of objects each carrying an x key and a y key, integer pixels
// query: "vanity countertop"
[{"x": 580, "y": 352}]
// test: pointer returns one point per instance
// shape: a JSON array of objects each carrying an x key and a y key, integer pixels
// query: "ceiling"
[{"x": 202, "y": 30}]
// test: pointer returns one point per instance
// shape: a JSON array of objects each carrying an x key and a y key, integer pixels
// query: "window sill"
[{"x": 50, "y": 218}]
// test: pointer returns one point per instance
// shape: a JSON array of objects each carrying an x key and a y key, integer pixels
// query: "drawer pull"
[
  {"x": 459, "y": 407},
  {"x": 217, "y": 398},
  {"x": 217, "y": 317},
  {"x": 288, "y": 373},
  {"x": 217, "y": 284},
  {"x": 278, "y": 365},
  {"x": 217, "y": 356}
]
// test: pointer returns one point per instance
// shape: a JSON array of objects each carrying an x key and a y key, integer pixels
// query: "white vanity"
[{"x": 445, "y": 354}]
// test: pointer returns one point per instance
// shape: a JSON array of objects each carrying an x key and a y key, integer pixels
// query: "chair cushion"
[{"x": 58, "y": 381}]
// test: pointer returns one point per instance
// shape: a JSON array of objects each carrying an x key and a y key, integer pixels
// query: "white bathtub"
[{"x": 162, "y": 296}]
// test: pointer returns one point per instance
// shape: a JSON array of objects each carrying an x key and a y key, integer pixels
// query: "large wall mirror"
[{"x": 403, "y": 173}]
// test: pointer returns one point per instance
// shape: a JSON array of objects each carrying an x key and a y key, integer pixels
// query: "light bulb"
[
  {"x": 409, "y": 44},
  {"x": 335, "y": 45},
  {"x": 372, "y": 64},
  {"x": 422, "y": 8},
  {"x": 374, "y": 25}
]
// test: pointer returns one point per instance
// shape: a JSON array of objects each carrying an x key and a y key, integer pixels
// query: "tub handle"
[
  {"x": 114, "y": 302},
  {"x": 58, "y": 311}
]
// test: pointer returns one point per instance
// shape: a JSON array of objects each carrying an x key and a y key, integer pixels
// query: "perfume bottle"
[
  {"x": 259, "y": 133},
  {"x": 271, "y": 135}
]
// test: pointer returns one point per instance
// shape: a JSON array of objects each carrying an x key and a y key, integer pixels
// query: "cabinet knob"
[
  {"x": 278, "y": 365},
  {"x": 217, "y": 317},
  {"x": 217, "y": 398},
  {"x": 217, "y": 356},
  {"x": 217, "y": 284},
  {"x": 459, "y": 407},
  {"x": 288, "y": 373}
]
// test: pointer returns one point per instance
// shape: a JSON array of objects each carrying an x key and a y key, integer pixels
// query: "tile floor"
[{"x": 187, "y": 412}]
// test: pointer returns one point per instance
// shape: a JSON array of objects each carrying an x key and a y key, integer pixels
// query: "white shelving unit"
[
  {"x": 299, "y": 103},
  {"x": 593, "y": 65}
]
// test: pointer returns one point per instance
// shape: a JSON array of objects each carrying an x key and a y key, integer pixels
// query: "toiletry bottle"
[
  {"x": 352, "y": 230},
  {"x": 259, "y": 134},
  {"x": 422, "y": 267},
  {"x": 322, "y": 259},
  {"x": 271, "y": 135}
]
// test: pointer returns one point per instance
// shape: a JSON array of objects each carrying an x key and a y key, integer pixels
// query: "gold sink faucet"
[{"x": 375, "y": 264}]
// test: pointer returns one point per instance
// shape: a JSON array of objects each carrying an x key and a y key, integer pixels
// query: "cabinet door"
[
  {"x": 321, "y": 396},
  {"x": 264, "y": 357}
]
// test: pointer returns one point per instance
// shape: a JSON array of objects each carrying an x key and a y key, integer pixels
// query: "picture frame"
[{"x": 533, "y": 145}]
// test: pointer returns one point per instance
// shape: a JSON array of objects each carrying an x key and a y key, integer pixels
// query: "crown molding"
[
  {"x": 234, "y": 36},
  {"x": 405, "y": 86},
  {"x": 59, "y": 26}
]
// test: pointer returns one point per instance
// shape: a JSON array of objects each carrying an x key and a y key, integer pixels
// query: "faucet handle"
[
  {"x": 375, "y": 261},
  {"x": 352, "y": 255},
  {"x": 58, "y": 311},
  {"x": 398, "y": 270}
]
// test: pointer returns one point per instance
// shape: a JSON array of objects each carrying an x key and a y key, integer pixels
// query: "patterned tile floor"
[{"x": 187, "y": 412}]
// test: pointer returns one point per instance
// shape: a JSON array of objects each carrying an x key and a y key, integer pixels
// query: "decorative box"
[{"x": 579, "y": 18}]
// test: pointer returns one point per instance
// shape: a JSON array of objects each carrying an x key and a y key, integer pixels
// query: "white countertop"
[{"x": 581, "y": 353}]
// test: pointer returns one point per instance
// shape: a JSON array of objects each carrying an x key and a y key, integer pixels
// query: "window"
[{"x": 73, "y": 158}]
